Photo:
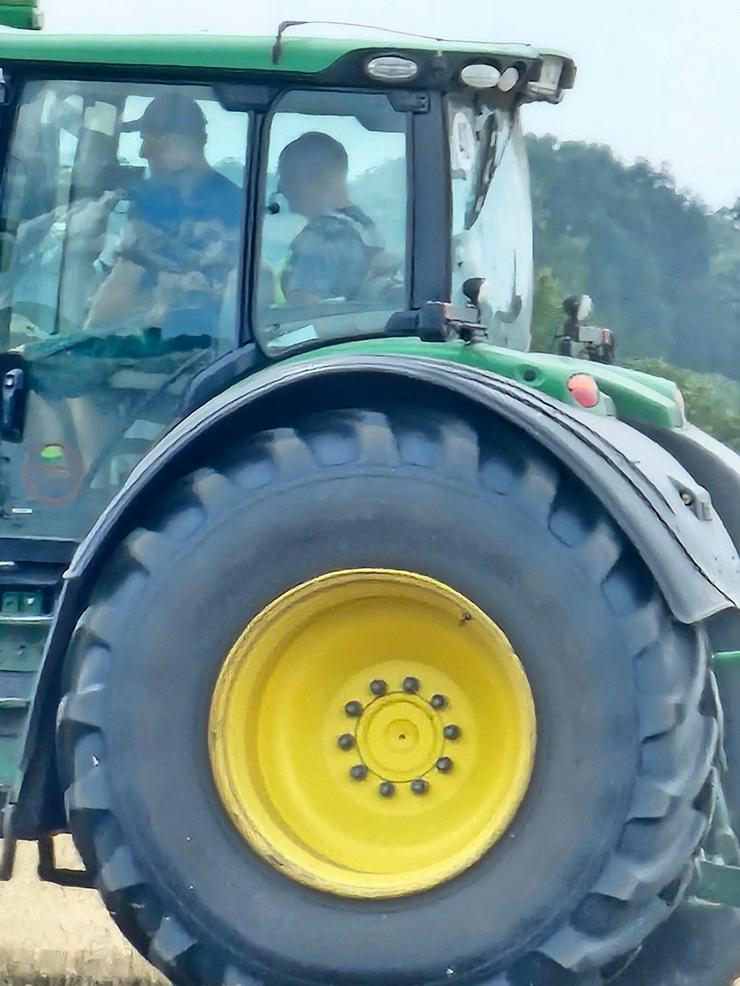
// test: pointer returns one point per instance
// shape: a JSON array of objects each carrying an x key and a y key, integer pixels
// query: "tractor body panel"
[
  {"x": 20, "y": 14},
  {"x": 630, "y": 395},
  {"x": 294, "y": 56}
]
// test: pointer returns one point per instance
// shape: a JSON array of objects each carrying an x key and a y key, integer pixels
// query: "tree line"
[{"x": 662, "y": 269}]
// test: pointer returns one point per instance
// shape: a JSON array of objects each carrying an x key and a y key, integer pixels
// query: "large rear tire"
[{"x": 599, "y": 851}]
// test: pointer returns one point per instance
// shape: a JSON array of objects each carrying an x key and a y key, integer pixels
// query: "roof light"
[
  {"x": 547, "y": 86},
  {"x": 480, "y": 76},
  {"x": 584, "y": 390},
  {"x": 509, "y": 78},
  {"x": 392, "y": 68}
]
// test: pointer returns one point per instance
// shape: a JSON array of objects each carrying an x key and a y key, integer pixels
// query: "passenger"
[
  {"x": 333, "y": 254},
  {"x": 182, "y": 236}
]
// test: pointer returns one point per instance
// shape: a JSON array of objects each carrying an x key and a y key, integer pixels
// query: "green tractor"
[{"x": 352, "y": 642}]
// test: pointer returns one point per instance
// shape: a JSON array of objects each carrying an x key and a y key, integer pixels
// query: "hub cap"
[{"x": 372, "y": 733}]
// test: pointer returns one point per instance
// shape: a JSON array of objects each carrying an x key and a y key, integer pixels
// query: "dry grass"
[{"x": 62, "y": 937}]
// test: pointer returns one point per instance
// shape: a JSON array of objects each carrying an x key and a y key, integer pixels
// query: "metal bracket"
[
  {"x": 438, "y": 321},
  {"x": 50, "y": 873},
  {"x": 9, "y": 845},
  {"x": 716, "y": 883}
]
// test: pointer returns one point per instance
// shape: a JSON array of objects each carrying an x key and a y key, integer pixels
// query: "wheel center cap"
[{"x": 400, "y": 737}]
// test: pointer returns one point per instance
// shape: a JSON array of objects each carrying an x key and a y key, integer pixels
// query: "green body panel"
[
  {"x": 717, "y": 883},
  {"x": 299, "y": 54},
  {"x": 728, "y": 659},
  {"x": 20, "y": 13},
  {"x": 631, "y": 395}
]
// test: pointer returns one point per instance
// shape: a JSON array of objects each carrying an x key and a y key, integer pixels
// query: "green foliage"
[
  {"x": 547, "y": 313},
  {"x": 663, "y": 272},
  {"x": 712, "y": 400}
]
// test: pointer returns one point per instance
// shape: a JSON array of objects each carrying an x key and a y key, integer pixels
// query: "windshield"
[
  {"x": 121, "y": 227},
  {"x": 333, "y": 241},
  {"x": 491, "y": 217}
]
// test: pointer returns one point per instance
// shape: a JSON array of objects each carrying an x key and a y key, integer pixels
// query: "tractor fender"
[
  {"x": 656, "y": 502},
  {"x": 659, "y": 505}
]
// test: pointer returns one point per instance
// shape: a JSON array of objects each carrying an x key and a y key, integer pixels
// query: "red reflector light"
[{"x": 584, "y": 390}]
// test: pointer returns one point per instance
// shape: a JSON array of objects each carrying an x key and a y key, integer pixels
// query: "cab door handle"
[{"x": 13, "y": 406}]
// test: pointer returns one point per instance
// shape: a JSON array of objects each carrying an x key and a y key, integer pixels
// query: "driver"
[
  {"x": 180, "y": 244},
  {"x": 333, "y": 254}
]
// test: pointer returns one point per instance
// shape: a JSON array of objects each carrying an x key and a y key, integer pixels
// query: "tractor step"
[
  {"x": 49, "y": 872},
  {"x": 27, "y": 598},
  {"x": 47, "y": 869}
]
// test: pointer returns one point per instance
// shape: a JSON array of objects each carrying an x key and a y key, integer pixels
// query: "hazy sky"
[{"x": 657, "y": 78}]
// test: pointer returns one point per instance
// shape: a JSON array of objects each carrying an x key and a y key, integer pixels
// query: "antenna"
[{"x": 277, "y": 48}]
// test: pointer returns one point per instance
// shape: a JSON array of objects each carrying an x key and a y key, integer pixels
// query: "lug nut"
[
  {"x": 358, "y": 772},
  {"x": 411, "y": 684},
  {"x": 452, "y": 732},
  {"x": 438, "y": 701},
  {"x": 346, "y": 741},
  {"x": 444, "y": 765},
  {"x": 378, "y": 686},
  {"x": 353, "y": 708},
  {"x": 419, "y": 786},
  {"x": 386, "y": 789}
]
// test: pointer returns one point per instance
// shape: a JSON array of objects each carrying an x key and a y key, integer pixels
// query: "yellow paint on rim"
[{"x": 403, "y": 679}]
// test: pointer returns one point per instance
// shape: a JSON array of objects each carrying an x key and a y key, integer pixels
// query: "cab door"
[{"x": 121, "y": 232}]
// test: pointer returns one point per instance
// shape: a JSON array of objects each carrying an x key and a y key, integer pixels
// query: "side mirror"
[
  {"x": 472, "y": 290},
  {"x": 578, "y": 306}
]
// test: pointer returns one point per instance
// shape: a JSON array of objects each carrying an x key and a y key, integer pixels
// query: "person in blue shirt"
[{"x": 181, "y": 241}]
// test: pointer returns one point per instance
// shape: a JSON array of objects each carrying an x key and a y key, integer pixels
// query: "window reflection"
[{"x": 334, "y": 234}]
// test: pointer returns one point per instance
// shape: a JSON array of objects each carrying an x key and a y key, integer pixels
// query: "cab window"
[
  {"x": 122, "y": 212},
  {"x": 120, "y": 265},
  {"x": 332, "y": 262}
]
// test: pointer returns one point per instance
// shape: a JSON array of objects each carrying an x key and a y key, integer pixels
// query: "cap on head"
[{"x": 171, "y": 113}]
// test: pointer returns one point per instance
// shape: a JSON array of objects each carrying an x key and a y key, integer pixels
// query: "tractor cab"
[{"x": 163, "y": 229}]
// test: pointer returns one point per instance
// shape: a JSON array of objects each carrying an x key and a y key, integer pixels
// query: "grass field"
[{"x": 62, "y": 937}]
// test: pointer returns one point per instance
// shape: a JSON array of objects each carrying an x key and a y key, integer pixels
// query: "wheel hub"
[
  {"x": 399, "y": 737},
  {"x": 358, "y": 771}
]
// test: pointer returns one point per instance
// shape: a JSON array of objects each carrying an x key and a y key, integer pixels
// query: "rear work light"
[
  {"x": 584, "y": 390},
  {"x": 547, "y": 86}
]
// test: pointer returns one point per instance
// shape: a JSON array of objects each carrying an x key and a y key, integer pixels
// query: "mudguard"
[
  {"x": 664, "y": 511},
  {"x": 658, "y": 504}
]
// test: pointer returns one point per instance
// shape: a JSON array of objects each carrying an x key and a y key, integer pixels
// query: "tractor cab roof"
[{"x": 421, "y": 62}]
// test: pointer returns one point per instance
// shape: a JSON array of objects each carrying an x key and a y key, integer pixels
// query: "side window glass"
[
  {"x": 122, "y": 213},
  {"x": 491, "y": 218},
  {"x": 333, "y": 243},
  {"x": 120, "y": 267}
]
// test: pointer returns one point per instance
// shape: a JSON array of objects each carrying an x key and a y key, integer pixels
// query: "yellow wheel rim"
[{"x": 372, "y": 733}]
